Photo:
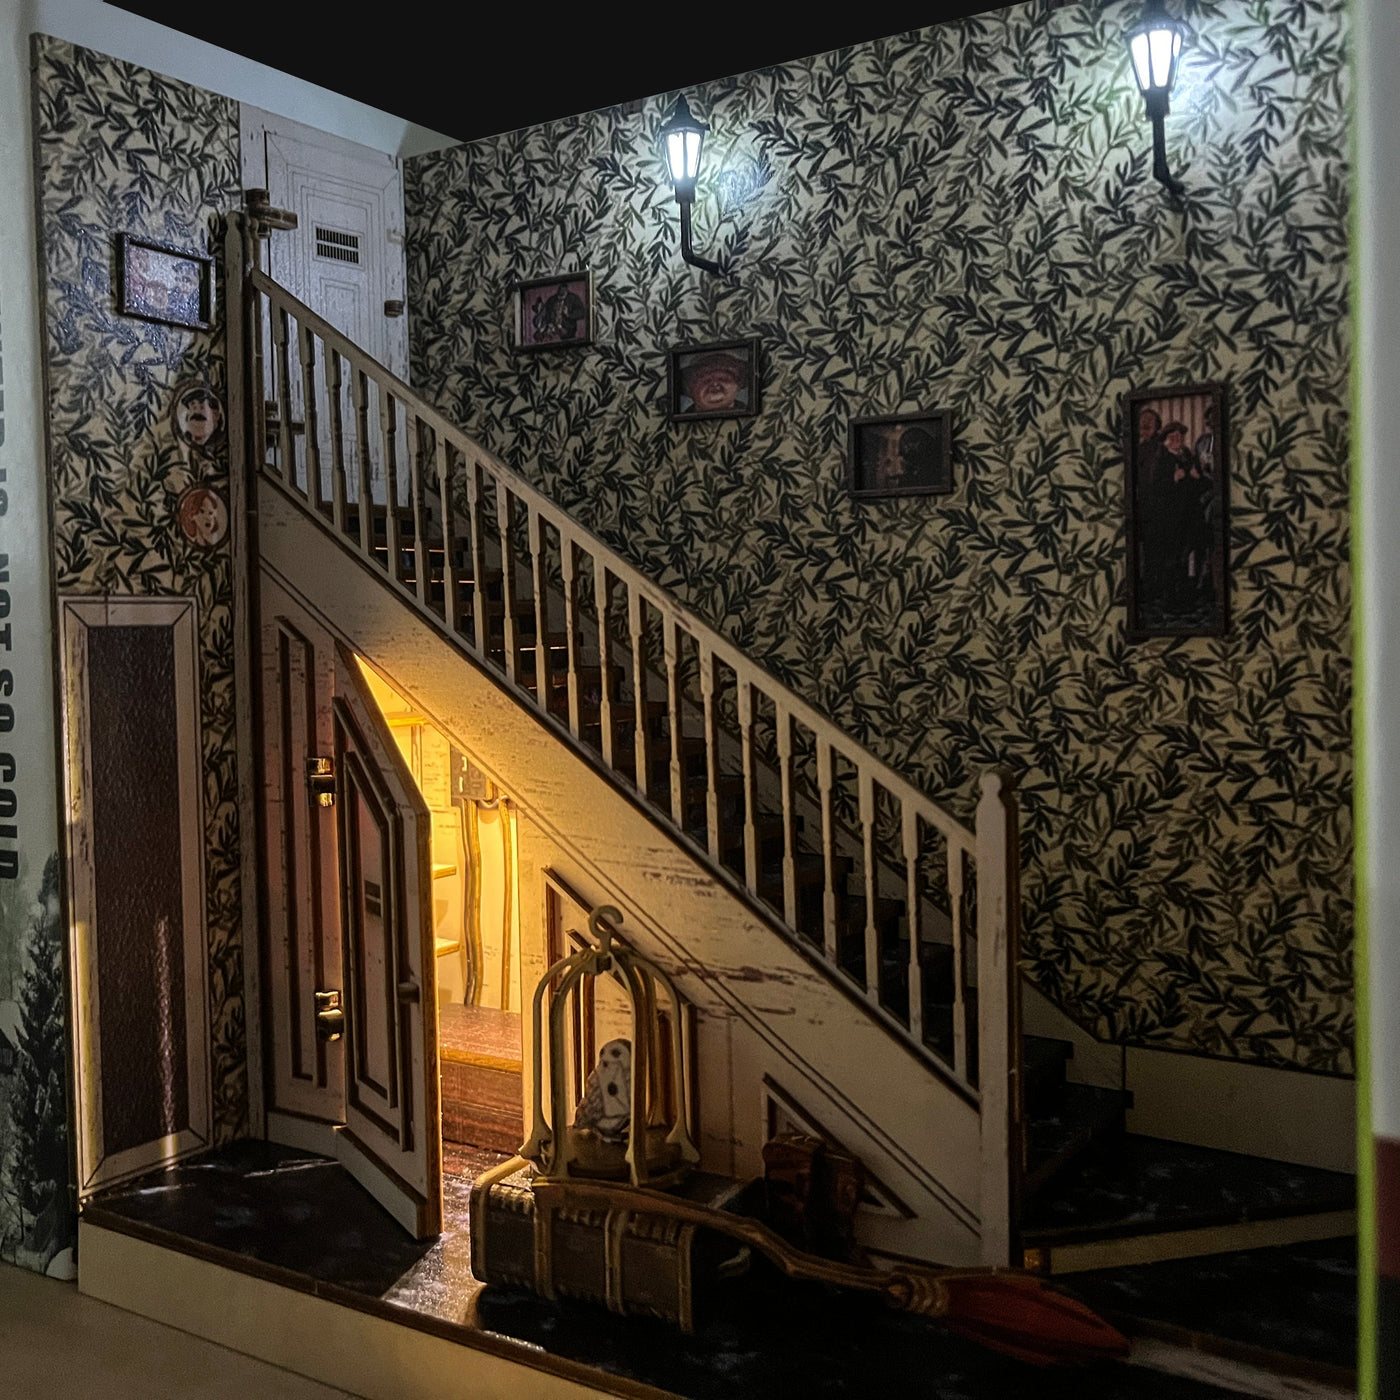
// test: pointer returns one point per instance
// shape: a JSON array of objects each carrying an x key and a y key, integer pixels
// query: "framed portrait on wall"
[
  {"x": 1177, "y": 512},
  {"x": 712, "y": 381},
  {"x": 159, "y": 282},
  {"x": 554, "y": 313},
  {"x": 903, "y": 455}
]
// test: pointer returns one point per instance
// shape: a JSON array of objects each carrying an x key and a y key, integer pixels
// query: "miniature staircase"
[
  {"x": 1095, "y": 1196},
  {"x": 911, "y": 915}
]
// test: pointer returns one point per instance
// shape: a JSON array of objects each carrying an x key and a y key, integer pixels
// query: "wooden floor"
[{"x": 481, "y": 1080}]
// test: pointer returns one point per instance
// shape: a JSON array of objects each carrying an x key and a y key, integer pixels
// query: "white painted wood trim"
[{"x": 339, "y": 1346}]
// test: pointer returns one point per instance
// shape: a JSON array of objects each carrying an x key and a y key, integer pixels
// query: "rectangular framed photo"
[
  {"x": 712, "y": 381},
  {"x": 904, "y": 455},
  {"x": 1177, "y": 512},
  {"x": 554, "y": 313},
  {"x": 157, "y": 282}
]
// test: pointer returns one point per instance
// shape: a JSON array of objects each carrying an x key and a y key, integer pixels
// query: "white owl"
[{"x": 607, "y": 1097}]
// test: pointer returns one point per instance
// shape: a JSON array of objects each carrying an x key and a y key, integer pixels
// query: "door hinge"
[
  {"x": 393, "y": 307},
  {"x": 330, "y": 1018},
  {"x": 320, "y": 780}
]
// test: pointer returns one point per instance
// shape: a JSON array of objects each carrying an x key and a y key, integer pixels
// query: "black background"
[{"x": 473, "y": 70}]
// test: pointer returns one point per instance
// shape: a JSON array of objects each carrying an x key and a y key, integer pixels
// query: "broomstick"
[{"x": 1014, "y": 1313}]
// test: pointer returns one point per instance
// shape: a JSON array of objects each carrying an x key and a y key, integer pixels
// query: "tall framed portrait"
[{"x": 1176, "y": 452}]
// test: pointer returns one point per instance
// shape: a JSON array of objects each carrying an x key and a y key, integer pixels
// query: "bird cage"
[{"x": 629, "y": 1122}]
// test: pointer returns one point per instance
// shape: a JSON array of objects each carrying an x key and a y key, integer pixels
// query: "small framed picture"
[
  {"x": 157, "y": 282},
  {"x": 905, "y": 455},
  {"x": 198, "y": 415},
  {"x": 712, "y": 381},
  {"x": 1177, "y": 508},
  {"x": 554, "y": 313}
]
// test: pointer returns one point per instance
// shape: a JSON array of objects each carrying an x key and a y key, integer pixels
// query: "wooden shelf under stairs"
[{"x": 479, "y": 1058}]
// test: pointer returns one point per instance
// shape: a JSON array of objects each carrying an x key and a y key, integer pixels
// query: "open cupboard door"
[
  {"x": 391, "y": 1140},
  {"x": 351, "y": 1066}
]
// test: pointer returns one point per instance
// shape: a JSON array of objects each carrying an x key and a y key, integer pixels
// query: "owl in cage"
[{"x": 607, "y": 1097}]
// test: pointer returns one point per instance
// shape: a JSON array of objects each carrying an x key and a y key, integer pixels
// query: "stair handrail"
[{"x": 992, "y": 846}]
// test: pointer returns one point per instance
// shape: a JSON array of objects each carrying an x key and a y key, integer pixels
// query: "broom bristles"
[{"x": 1024, "y": 1317}]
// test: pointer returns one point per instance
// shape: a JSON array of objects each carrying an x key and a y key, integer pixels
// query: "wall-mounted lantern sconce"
[
  {"x": 1155, "y": 46},
  {"x": 682, "y": 139}
]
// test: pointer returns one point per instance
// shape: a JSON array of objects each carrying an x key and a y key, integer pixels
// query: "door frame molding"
[{"x": 77, "y": 617}]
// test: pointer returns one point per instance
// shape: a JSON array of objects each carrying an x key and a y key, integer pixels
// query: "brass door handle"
[{"x": 330, "y": 1017}]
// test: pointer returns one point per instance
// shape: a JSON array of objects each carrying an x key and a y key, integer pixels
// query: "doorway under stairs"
[{"x": 476, "y": 931}]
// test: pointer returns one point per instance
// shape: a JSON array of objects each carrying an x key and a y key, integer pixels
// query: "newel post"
[{"x": 999, "y": 1013}]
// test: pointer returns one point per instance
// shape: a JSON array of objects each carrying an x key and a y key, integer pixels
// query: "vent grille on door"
[{"x": 342, "y": 247}]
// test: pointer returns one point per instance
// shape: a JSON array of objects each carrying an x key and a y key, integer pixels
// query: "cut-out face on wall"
[
  {"x": 199, "y": 418},
  {"x": 203, "y": 516}
]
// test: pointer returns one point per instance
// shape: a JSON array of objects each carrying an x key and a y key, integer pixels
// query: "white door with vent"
[{"x": 345, "y": 258}]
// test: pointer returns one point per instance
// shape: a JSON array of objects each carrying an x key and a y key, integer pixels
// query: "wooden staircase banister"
[{"x": 364, "y": 431}]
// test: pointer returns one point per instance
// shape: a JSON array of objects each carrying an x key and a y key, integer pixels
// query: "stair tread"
[
  {"x": 1145, "y": 1185},
  {"x": 1285, "y": 1300},
  {"x": 1044, "y": 1061},
  {"x": 1066, "y": 1124}
]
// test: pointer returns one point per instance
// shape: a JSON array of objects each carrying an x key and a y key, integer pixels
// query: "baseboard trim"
[
  {"x": 342, "y": 1339},
  {"x": 1156, "y": 1248}
]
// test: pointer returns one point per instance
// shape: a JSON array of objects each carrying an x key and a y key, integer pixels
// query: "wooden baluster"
[
  {"x": 360, "y": 388},
  {"x": 998, "y": 1015},
  {"x": 602, "y": 599},
  {"x": 286, "y": 462},
  {"x": 257, "y": 377},
  {"x": 641, "y": 740},
  {"x": 784, "y": 722},
  {"x": 828, "y": 851},
  {"x": 478, "y": 547},
  {"x": 957, "y": 865},
  {"x": 568, "y": 559},
  {"x": 914, "y": 917},
  {"x": 311, "y": 428},
  {"x": 503, "y": 500},
  {"x": 674, "y": 713},
  {"x": 865, "y": 782},
  {"x": 388, "y": 424},
  {"x": 337, "y": 421},
  {"x": 707, "y": 694},
  {"x": 539, "y": 573},
  {"x": 746, "y": 746},
  {"x": 413, "y": 447},
  {"x": 450, "y": 601}
]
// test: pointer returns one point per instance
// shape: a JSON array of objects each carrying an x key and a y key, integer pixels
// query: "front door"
[
  {"x": 351, "y": 1002},
  {"x": 345, "y": 259}
]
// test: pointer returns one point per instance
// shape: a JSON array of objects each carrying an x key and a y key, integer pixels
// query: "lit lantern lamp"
[
  {"x": 682, "y": 139},
  {"x": 1155, "y": 46}
]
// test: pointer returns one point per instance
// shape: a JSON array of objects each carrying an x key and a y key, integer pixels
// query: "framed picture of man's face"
[
  {"x": 713, "y": 381},
  {"x": 905, "y": 455},
  {"x": 1177, "y": 512},
  {"x": 554, "y": 313}
]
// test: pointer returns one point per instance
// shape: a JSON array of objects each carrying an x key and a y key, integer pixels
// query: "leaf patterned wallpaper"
[
  {"x": 122, "y": 149},
  {"x": 963, "y": 217}
]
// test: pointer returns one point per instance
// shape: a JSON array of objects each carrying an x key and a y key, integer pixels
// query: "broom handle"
[{"x": 916, "y": 1290}]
